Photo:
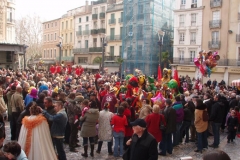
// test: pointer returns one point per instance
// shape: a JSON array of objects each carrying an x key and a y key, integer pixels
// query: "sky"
[{"x": 46, "y": 9}]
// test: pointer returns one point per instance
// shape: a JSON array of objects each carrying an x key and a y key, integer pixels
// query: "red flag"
[
  {"x": 175, "y": 76},
  {"x": 159, "y": 72}
]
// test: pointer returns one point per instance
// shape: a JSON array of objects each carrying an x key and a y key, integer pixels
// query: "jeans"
[
  {"x": 166, "y": 144},
  {"x": 109, "y": 144},
  {"x": 85, "y": 140},
  {"x": 185, "y": 127},
  {"x": 73, "y": 134},
  {"x": 202, "y": 140},
  {"x": 118, "y": 137},
  {"x": 216, "y": 129},
  {"x": 176, "y": 135},
  {"x": 58, "y": 143}
]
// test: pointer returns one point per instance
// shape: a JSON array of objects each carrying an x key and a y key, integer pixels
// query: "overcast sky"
[{"x": 46, "y": 9}]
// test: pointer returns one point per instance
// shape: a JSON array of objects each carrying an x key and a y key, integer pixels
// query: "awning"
[
  {"x": 87, "y": 66},
  {"x": 236, "y": 83}
]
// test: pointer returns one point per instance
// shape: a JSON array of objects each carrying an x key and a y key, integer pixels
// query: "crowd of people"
[{"x": 47, "y": 109}]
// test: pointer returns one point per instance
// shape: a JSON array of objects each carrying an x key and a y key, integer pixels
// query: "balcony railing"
[
  {"x": 80, "y": 50},
  {"x": 120, "y": 20},
  {"x": 214, "y": 44},
  {"x": 182, "y": 6},
  {"x": 86, "y": 32},
  {"x": 192, "y": 41},
  {"x": 239, "y": 16},
  {"x": 102, "y": 15},
  {"x": 98, "y": 2},
  {"x": 114, "y": 38},
  {"x": 215, "y": 24},
  {"x": 238, "y": 38},
  {"x": 102, "y": 30},
  {"x": 78, "y": 33},
  {"x": 68, "y": 58},
  {"x": 95, "y": 49},
  {"x": 11, "y": 20},
  {"x": 215, "y": 3},
  {"x": 181, "y": 42},
  {"x": 94, "y": 16},
  {"x": 112, "y": 21},
  {"x": 114, "y": 7},
  {"x": 94, "y": 31},
  {"x": 111, "y": 58}
]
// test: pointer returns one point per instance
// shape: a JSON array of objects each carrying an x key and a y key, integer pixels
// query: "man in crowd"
[
  {"x": 48, "y": 104},
  {"x": 111, "y": 99}
]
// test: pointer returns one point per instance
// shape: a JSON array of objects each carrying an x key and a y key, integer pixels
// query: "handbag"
[{"x": 162, "y": 127}]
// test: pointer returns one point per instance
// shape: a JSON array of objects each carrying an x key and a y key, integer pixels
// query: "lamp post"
[
  {"x": 104, "y": 43},
  {"x": 60, "y": 49},
  {"x": 160, "y": 43},
  {"x": 24, "y": 55}
]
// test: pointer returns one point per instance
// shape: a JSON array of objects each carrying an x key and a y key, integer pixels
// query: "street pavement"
[{"x": 183, "y": 150}]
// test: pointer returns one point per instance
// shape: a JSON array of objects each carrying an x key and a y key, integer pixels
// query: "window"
[
  {"x": 95, "y": 24},
  {"x": 94, "y": 42},
  {"x": 215, "y": 37},
  {"x": 87, "y": 19},
  {"x": 82, "y": 60},
  {"x": 51, "y": 54},
  {"x": 10, "y": 14},
  {"x": 55, "y": 36},
  {"x": 140, "y": 31},
  {"x": 48, "y": 37},
  {"x": 181, "y": 55},
  {"x": 66, "y": 37},
  {"x": 51, "y": 37},
  {"x": 181, "y": 20},
  {"x": 216, "y": 15},
  {"x": 80, "y": 28},
  {"x": 238, "y": 53},
  {"x": 181, "y": 38},
  {"x": 47, "y": 53},
  {"x": 55, "y": 52},
  {"x": 70, "y": 24},
  {"x": 193, "y": 19},
  {"x": 102, "y": 23},
  {"x": 79, "y": 44},
  {"x": 194, "y": 1},
  {"x": 112, "y": 16},
  {"x": 86, "y": 27},
  {"x": 62, "y": 25},
  {"x": 183, "y": 2},
  {"x": 86, "y": 43},
  {"x": 66, "y": 52},
  {"x": 79, "y": 20},
  {"x": 103, "y": 9},
  {"x": 140, "y": 9},
  {"x": 70, "y": 37},
  {"x": 95, "y": 11},
  {"x": 193, "y": 37},
  {"x": 111, "y": 50},
  {"x": 44, "y": 54},
  {"x": 120, "y": 50},
  {"x": 139, "y": 50},
  {"x": 45, "y": 39},
  {"x": 66, "y": 24},
  {"x": 192, "y": 56}
]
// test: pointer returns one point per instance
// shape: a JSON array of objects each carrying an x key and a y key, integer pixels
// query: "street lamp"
[
  {"x": 24, "y": 55},
  {"x": 60, "y": 49},
  {"x": 160, "y": 43},
  {"x": 104, "y": 44}
]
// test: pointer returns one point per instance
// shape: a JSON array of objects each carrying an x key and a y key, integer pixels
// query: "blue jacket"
[{"x": 59, "y": 122}]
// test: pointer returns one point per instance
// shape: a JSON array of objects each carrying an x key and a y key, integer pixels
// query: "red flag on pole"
[
  {"x": 175, "y": 76},
  {"x": 159, "y": 72}
]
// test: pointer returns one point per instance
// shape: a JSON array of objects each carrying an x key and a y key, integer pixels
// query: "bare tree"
[{"x": 29, "y": 32}]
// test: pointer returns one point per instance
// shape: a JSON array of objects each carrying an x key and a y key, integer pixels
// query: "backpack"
[{"x": 205, "y": 116}]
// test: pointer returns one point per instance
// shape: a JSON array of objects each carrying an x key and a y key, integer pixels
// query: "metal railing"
[
  {"x": 214, "y": 44},
  {"x": 215, "y": 24},
  {"x": 215, "y": 3},
  {"x": 120, "y": 20},
  {"x": 86, "y": 32},
  {"x": 95, "y": 49},
  {"x": 94, "y": 16},
  {"x": 181, "y": 42},
  {"x": 112, "y": 21},
  {"x": 140, "y": 16},
  {"x": 11, "y": 20},
  {"x": 192, "y": 41},
  {"x": 102, "y": 30},
  {"x": 94, "y": 31},
  {"x": 65, "y": 58},
  {"x": 114, "y": 38},
  {"x": 111, "y": 58},
  {"x": 238, "y": 38},
  {"x": 80, "y": 50},
  {"x": 78, "y": 33},
  {"x": 115, "y": 7},
  {"x": 102, "y": 15},
  {"x": 98, "y": 2}
]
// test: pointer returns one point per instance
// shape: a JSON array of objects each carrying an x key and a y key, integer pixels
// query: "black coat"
[
  {"x": 231, "y": 123},
  {"x": 143, "y": 148},
  {"x": 217, "y": 113},
  {"x": 171, "y": 119},
  {"x": 188, "y": 116},
  {"x": 233, "y": 103},
  {"x": 209, "y": 104},
  {"x": 24, "y": 113}
]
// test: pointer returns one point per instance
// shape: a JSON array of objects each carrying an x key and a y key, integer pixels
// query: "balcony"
[
  {"x": 120, "y": 20},
  {"x": 215, "y": 24},
  {"x": 111, "y": 61},
  {"x": 112, "y": 21},
  {"x": 94, "y": 16},
  {"x": 239, "y": 16},
  {"x": 67, "y": 58},
  {"x": 86, "y": 32},
  {"x": 9, "y": 20},
  {"x": 238, "y": 38},
  {"x": 214, "y": 44},
  {"x": 111, "y": 58},
  {"x": 98, "y": 2},
  {"x": 95, "y": 49},
  {"x": 78, "y": 33},
  {"x": 94, "y": 31},
  {"x": 182, "y": 6},
  {"x": 102, "y": 15},
  {"x": 80, "y": 50},
  {"x": 215, "y": 3},
  {"x": 114, "y": 38},
  {"x": 192, "y": 41},
  {"x": 181, "y": 42},
  {"x": 102, "y": 30},
  {"x": 178, "y": 60}
]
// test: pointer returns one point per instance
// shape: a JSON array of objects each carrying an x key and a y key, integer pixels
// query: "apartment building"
[
  {"x": 51, "y": 34},
  {"x": 187, "y": 36}
]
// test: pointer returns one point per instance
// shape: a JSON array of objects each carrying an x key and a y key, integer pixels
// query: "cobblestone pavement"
[{"x": 180, "y": 151}]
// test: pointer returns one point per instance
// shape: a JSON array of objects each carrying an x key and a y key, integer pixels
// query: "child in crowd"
[
  {"x": 232, "y": 124},
  {"x": 85, "y": 108},
  {"x": 228, "y": 115}
]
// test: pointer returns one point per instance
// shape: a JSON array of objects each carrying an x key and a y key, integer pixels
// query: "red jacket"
[
  {"x": 52, "y": 69},
  {"x": 128, "y": 129},
  {"x": 153, "y": 122},
  {"x": 111, "y": 99}
]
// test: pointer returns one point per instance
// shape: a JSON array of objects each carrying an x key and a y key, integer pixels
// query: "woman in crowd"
[
  {"x": 12, "y": 150},
  {"x": 201, "y": 126},
  {"x": 105, "y": 128},
  {"x": 32, "y": 96},
  {"x": 3, "y": 106},
  {"x": 88, "y": 129},
  {"x": 35, "y": 137},
  {"x": 146, "y": 109},
  {"x": 153, "y": 121}
]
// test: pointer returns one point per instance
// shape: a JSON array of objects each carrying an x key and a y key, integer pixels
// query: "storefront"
[
  {"x": 233, "y": 74},
  {"x": 217, "y": 74},
  {"x": 186, "y": 70}
]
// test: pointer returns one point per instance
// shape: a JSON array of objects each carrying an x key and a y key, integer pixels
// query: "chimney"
[{"x": 86, "y": 6}]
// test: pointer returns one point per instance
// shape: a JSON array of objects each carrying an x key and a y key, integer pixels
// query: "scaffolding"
[{"x": 142, "y": 21}]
